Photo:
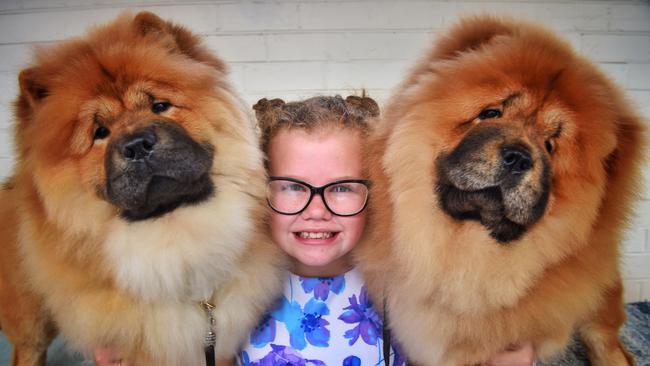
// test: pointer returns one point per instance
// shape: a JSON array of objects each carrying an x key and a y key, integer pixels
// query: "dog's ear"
[
  {"x": 624, "y": 165},
  {"x": 33, "y": 90},
  {"x": 469, "y": 34},
  {"x": 147, "y": 23},
  {"x": 180, "y": 39}
]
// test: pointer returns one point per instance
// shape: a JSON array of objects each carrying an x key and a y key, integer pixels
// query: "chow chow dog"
[
  {"x": 137, "y": 199},
  {"x": 504, "y": 170}
]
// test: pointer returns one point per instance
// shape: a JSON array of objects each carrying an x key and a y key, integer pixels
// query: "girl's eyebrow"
[{"x": 336, "y": 179}]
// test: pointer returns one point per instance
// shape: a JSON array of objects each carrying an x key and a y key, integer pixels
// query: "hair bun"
[
  {"x": 364, "y": 104},
  {"x": 263, "y": 105},
  {"x": 267, "y": 111}
]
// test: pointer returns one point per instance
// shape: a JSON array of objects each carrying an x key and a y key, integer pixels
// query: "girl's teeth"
[{"x": 321, "y": 235}]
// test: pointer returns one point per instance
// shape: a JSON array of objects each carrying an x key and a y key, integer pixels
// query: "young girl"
[{"x": 318, "y": 194}]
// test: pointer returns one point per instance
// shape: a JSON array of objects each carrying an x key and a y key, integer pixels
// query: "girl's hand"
[
  {"x": 515, "y": 355},
  {"x": 109, "y": 357}
]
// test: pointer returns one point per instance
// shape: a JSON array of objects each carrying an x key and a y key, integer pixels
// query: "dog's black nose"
[
  {"x": 139, "y": 145},
  {"x": 516, "y": 159}
]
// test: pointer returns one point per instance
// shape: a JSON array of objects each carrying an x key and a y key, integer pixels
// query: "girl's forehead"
[
  {"x": 324, "y": 130},
  {"x": 316, "y": 157}
]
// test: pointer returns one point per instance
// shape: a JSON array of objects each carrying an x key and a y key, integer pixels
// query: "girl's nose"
[{"x": 316, "y": 210}]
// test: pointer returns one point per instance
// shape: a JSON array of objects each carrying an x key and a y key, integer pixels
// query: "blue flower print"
[
  {"x": 352, "y": 361},
  {"x": 264, "y": 332},
  {"x": 281, "y": 356},
  {"x": 307, "y": 323},
  {"x": 369, "y": 323},
  {"x": 322, "y": 285}
]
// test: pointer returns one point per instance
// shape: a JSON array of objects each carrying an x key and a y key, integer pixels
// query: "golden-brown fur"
[
  {"x": 458, "y": 285},
  {"x": 75, "y": 254}
]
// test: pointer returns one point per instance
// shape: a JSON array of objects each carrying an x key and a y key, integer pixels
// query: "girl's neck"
[{"x": 333, "y": 269}]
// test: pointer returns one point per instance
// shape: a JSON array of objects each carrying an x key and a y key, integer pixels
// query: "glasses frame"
[{"x": 320, "y": 191}]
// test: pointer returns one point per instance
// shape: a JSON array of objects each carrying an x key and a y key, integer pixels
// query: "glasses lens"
[
  {"x": 286, "y": 196},
  {"x": 347, "y": 198}
]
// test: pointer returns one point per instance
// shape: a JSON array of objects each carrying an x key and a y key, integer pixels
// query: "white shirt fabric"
[{"x": 319, "y": 321}]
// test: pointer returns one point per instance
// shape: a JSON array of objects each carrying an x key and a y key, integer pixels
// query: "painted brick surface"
[
  {"x": 365, "y": 74},
  {"x": 6, "y": 165},
  {"x": 239, "y": 48},
  {"x": 295, "y": 49},
  {"x": 312, "y": 46},
  {"x": 8, "y": 91},
  {"x": 6, "y": 143},
  {"x": 616, "y": 47},
  {"x": 260, "y": 76}
]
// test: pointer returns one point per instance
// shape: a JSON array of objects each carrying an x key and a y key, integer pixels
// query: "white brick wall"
[{"x": 294, "y": 49}]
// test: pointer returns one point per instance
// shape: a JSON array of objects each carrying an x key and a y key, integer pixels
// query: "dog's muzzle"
[
  {"x": 495, "y": 179},
  {"x": 156, "y": 169}
]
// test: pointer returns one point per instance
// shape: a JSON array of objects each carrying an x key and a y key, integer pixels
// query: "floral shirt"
[{"x": 319, "y": 321}]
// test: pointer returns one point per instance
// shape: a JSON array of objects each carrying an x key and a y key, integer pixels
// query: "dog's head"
[
  {"x": 129, "y": 120},
  {"x": 512, "y": 126},
  {"x": 497, "y": 174}
]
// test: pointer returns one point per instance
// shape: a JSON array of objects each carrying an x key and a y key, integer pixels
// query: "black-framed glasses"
[{"x": 289, "y": 196}]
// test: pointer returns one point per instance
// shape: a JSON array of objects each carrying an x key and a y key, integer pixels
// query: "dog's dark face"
[
  {"x": 495, "y": 176},
  {"x": 499, "y": 171},
  {"x": 155, "y": 169}
]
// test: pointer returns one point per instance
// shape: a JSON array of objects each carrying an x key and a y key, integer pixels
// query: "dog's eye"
[
  {"x": 550, "y": 145},
  {"x": 101, "y": 133},
  {"x": 159, "y": 107},
  {"x": 489, "y": 113}
]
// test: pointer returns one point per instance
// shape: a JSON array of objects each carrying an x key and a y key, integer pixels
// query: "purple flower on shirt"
[
  {"x": 321, "y": 286},
  {"x": 399, "y": 359},
  {"x": 361, "y": 312},
  {"x": 281, "y": 356}
]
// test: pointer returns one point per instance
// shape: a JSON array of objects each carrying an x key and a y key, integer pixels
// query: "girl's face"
[{"x": 318, "y": 241}]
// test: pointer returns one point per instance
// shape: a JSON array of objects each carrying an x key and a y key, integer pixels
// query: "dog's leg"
[
  {"x": 548, "y": 348},
  {"x": 28, "y": 356},
  {"x": 28, "y": 329},
  {"x": 600, "y": 333},
  {"x": 24, "y": 320}
]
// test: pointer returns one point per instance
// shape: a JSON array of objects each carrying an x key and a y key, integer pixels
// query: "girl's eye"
[
  {"x": 489, "y": 113},
  {"x": 294, "y": 187},
  {"x": 101, "y": 132},
  {"x": 160, "y": 107},
  {"x": 340, "y": 188}
]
